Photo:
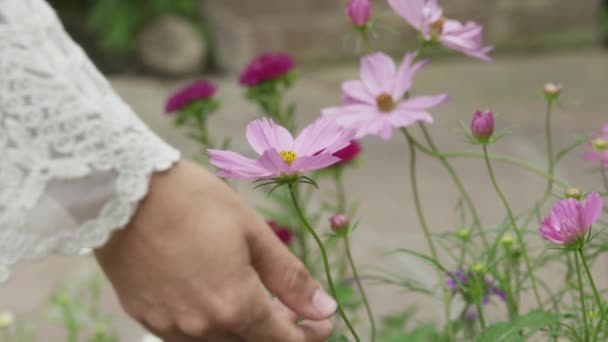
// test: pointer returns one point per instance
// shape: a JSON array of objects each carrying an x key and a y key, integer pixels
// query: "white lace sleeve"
[{"x": 74, "y": 159}]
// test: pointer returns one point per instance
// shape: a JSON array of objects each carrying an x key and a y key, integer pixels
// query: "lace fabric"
[{"x": 75, "y": 158}]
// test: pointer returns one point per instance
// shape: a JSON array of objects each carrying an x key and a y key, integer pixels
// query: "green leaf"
[{"x": 529, "y": 324}]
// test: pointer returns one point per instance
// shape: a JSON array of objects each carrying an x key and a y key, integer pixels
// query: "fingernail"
[{"x": 324, "y": 304}]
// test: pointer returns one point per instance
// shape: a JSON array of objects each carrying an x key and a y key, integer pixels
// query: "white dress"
[{"x": 74, "y": 158}]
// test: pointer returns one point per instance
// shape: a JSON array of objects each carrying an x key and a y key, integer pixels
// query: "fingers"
[
  {"x": 275, "y": 326},
  {"x": 285, "y": 276}
]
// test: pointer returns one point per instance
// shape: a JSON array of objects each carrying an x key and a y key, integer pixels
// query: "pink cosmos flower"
[
  {"x": 570, "y": 219},
  {"x": 199, "y": 90},
  {"x": 359, "y": 11},
  {"x": 375, "y": 105},
  {"x": 349, "y": 153},
  {"x": 266, "y": 67},
  {"x": 427, "y": 17},
  {"x": 281, "y": 154},
  {"x": 597, "y": 147},
  {"x": 482, "y": 125}
]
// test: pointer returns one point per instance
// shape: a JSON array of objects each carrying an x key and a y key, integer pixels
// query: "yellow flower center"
[
  {"x": 436, "y": 28},
  {"x": 288, "y": 156},
  {"x": 385, "y": 102}
]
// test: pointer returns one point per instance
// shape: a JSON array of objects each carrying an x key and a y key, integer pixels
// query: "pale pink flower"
[
  {"x": 570, "y": 220},
  {"x": 427, "y": 17},
  {"x": 281, "y": 154},
  {"x": 375, "y": 105},
  {"x": 597, "y": 147}
]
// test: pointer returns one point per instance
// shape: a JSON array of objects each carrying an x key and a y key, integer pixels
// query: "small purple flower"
[
  {"x": 266, "y": 67},
  {"x": 463, "y": 283},
  {"x": 482, "y": 125},
  {"x": 359, "y": 11},
  {"x": 452, "y": 283},
  {"x": 199, "y": 90}
]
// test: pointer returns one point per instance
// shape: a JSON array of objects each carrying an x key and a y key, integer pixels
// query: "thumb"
[{"x": 287, "y": 277}]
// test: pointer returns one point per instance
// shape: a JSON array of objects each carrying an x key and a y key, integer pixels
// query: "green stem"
[
  {"x": 582, "y": 298},
  {"x": 518, "y": 233},
  {"x": 368, "y": 307},
  {"x": 549, "y": 141},
  {"x": 465, "y": 195},
  {"x": 471, "y": 154},
  {"x": 598, "y": 299},
  {"x": 426, "y": 230},
  {"x": 325, "y": 261},
  {"x": 478, "y": 302},
  {"x": 604, "y": 176}
]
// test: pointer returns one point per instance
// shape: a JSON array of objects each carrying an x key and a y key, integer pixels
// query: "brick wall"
[{"x": 316, "y": 30}]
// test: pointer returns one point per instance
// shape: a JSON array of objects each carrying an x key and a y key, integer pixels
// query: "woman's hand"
[{"x": 195, "y": 262}]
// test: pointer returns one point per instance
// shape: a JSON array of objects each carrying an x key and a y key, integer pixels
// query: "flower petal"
[
  {"x": 311, "y": 163},
  {"x": 592, "y": 209},
  {"x": 234, "y": 165},
  {"x": 263, "y": 134},
  {"x": 272, "y": 161},
  {"x": 322, "y": 135},
  {"x": 420, "y": 103},
  {"x": 405, "y": 118},
  {"x": 378, "y": 73},
  {"x": 350, "y": 116},
  {"x": 357, "y": 91},
  {"x": 410, "y": 10},
  {"x": 405, "y": 75}
]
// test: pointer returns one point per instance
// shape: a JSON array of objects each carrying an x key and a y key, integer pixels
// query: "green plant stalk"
[
  {"x": 471, "y": 154},
  {"x": 549, "y": 142},
  {"x": 325, "y": 261},
  {"x": 582, "y": 298},
  {"x": 520, "y": 239},
  {"x": 478, "y": 302},
  {"x": 341, "y": 198},
  {"x": 427, "y": 231},
  {"x": 71, "y": 325},
  {"x": 368, "y": 308},
  {"x": 598, "y": 299},
  {"x": 458, "y": 182},
  {"x": 604, "y": 176}
]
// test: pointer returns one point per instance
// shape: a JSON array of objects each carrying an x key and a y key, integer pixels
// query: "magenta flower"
[
  {"x": 199, "y": 90},
  {"x": 283, "y": 233},
  {"x": 359, "y": 11},
  {"x": 349, "y": 153},
  {"x": 571, "y": 220},
  {"x": 266, "y": 67},
  {"x": 482, "y": 125},
  {"x": 597, "y": 147},
  {"x": 281, "y": 154},
  {"x": 339, "y": 222},
  {"x": 375, "y": 105},
  {"x": 427, "y": 17}
]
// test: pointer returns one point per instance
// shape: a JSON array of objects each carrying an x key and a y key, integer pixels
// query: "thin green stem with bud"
[
  {"x": 325, "y": 261},
  {"x": 582, "y": 298},
  {"x": 549, "y": 142},
  {"x": 518, "y": 233},
  {"x": 425, "y": 228},
  {"x": 596, "y": 294},
  {"x": 458, "y": 182},
  {"x": 341, "y": 198}
]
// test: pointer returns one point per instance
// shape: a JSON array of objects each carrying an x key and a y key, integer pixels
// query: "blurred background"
[{"x": 149, "y": 48}]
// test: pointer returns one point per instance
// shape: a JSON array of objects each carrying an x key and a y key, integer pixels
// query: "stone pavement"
[{"x": 511, "y": 87}]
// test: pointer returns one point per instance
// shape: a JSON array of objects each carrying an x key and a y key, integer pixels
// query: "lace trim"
[{"x": 60, "y": 121}]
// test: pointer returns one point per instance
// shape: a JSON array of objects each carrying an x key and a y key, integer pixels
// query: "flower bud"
[
  {"x": 339, "y": 222},
  {"x": 482, "y": 125},
  {"x": 283, "y": 233},
  {"x": 552, "y": 91},
  {"x": 359, "y": 12},
  {"x": 464, "y": 234},
  {"x": 573, "y": 192},
  {"x": 6, "y": 319},
  {"x": 600, "y": 144},
  {"x": 506, "y": 240},
  {"x": 479, "y": 268}
]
